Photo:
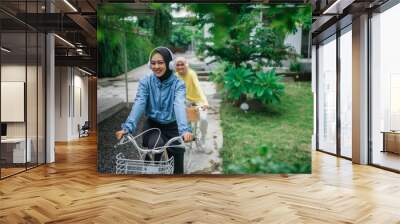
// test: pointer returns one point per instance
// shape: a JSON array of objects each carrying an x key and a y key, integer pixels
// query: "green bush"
[
  {"x": 162, "y": 25},
  {"x": 242, "y": 83},
  {"x": 264, "y": 162},
  {"x": 117, "y": 31},
  {"x": 267, "y": 87},
  {"x": 237, "y": 82},
  {"x": 294, "y": 67},
  {"x": 138, "y": 49},
  {"x": 181, "y": 37},
  {"x": 112, "y": 62}
]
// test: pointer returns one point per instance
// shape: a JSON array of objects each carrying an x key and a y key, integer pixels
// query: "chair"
[{"x": 84, "y": 130}]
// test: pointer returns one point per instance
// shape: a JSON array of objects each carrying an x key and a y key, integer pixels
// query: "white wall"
[
  {"x": 62, "y": 81},
  {"x": 294, "y": 40},
  {"x": 33, "y": 126},
  {"x": 71, "y": 93},
  {"x": 15, "y": 72},
  {"x": 80, "y": 96}
]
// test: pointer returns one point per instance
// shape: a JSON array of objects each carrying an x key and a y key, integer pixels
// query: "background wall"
[
  {"x": 71, "y": 102},
  {"x": 12, "y": 73},
  {"x": 33, "y": 126}
]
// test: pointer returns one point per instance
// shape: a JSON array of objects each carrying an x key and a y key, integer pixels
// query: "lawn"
[{"x": 276, "y": 139}]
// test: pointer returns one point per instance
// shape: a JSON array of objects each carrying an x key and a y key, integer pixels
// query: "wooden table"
[
  {"x": 391, "y": 141},
  {"x": 13, "y": 150}
]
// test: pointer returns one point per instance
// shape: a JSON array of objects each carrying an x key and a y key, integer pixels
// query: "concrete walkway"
[{"x": 111, "y": 93}]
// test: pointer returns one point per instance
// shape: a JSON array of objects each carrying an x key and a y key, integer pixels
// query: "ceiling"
[
  {"x": 72, "y": 20},
  {"x": 336, "y": 14}
]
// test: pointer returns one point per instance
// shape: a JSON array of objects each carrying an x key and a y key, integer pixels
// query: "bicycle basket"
[
  {"x": 131, "y": 166},
  {"x": 192, "y": 114}
]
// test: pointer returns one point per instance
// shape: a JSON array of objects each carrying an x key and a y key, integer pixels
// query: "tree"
[
  {"x": 181, "y": 37},
  {"x": 243, "y": 33},
  {"x": 162, "y": 23},
  {"x": 119, "y": 27}
]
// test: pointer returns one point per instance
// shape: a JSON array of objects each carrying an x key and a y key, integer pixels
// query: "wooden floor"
[
  {"x": 387, "y": 159},
  {"x": 10, "y": 171},
  {"x": 71, "y": 191}
]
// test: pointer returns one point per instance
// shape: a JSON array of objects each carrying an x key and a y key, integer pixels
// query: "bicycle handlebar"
[
  {"x": 196, "y": 107},
  {"x": 129, "y": 138}
]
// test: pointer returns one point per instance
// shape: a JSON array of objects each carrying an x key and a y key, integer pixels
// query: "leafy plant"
[
  {"x": 267, "y": 87},
  {"x": 237, "y": 82},
  {"x": 242, "y": 33},
  {"x": 295, "y": 67},
  {"x": 242, "y": 83}
]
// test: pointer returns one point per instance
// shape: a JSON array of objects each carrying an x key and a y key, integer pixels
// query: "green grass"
[{"x": 284, "y": 129}]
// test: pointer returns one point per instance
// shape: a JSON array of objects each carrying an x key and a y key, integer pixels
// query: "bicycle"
[
  {"x": 193, "y": 116},
  {"x": 142, "y": 166}
]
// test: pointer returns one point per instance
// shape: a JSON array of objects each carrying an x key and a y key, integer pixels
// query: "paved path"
[{"x": 111, "y": 92}]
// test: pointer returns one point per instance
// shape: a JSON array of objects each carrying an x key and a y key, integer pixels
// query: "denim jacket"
[{"x": 163, "y": 102}]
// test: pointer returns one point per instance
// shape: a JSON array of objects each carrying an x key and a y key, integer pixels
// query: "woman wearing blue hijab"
[{"x": 161, "y": 96}]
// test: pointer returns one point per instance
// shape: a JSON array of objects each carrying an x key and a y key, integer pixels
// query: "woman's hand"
[
  {"x": 187, "y": 136},
  {"x": 119, "y": 134}
]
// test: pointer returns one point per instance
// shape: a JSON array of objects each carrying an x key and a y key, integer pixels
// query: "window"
[
  {"x": 346, "y": 93},
  {"x": 23, "y": 76},
  {"x": 327, "y": 96},
  {"x": 385, "y": 88}
]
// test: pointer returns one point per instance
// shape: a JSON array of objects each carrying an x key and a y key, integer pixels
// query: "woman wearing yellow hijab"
[{"x": 194, "y": 93}]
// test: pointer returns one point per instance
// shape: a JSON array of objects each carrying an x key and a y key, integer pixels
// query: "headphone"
[{"x": 171, "y": 64}]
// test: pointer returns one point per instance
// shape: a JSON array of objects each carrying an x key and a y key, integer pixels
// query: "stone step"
[
  {"x": 203, "y": 73},
  {"x": 203, "y": 78},
  {"x": 198, "y": 67}
]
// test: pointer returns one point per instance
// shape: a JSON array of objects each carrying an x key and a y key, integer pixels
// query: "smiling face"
[
  {"x": 181, "y": 67},
  {"x": 158, "y": 65}
]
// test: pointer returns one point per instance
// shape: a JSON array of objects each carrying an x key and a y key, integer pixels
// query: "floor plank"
[{"x": 71, "y": 191}]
